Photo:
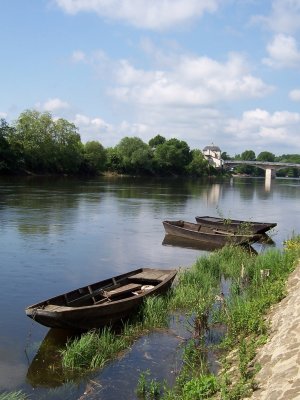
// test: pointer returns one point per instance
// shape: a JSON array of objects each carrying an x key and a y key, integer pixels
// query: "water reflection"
[
  {"x": 46, "y": 369},
  {"x": 176, "y": 241},
  {"x": 170, "y": 240}
]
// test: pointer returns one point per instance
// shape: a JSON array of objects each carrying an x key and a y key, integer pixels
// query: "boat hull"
[
  {"x": 235, "y": 225},
  {"x": 53, "y": 313},
  {"x": 206, "y": 234}
]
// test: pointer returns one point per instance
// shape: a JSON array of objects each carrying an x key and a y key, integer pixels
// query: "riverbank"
[{"x": 279, "y": 377}]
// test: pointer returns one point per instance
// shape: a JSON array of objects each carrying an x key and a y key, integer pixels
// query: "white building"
[{"x": 213, "y": 154}]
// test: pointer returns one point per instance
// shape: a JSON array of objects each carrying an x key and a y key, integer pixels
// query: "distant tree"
[
  {"x": 34, "y": 137},
  {"x": 290, "y": 171},
  {"x": 135, "y": 155},
  {"x": 68, "y": 146},
  {"x": 158, "y": 139},
  {"x": 114, "y": 162},
  {"x": 95, "y": 155},
  {"x": 198, "y": 166},
  {"x": 172, "y": 156},
  {"x": 225, "y": 156},
  {"x": 266, "y": 156},
  {"x": 9, "y": 160},
  {"x": 47, "y": 145},
  {"x": 247, "y": 155}
]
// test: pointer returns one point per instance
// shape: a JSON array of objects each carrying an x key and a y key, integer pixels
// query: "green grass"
[
  {"x": 257, "y": 282},
  {"x": 13, "y": 396},
  {"x": 94, "y": 349}
]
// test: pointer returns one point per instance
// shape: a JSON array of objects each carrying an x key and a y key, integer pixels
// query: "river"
[{"x": 61, "y": 233}]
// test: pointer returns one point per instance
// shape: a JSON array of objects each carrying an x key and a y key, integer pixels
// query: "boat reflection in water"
[
  {"x": 46, "y": 369},
  {"x": 176, "y": 241}
]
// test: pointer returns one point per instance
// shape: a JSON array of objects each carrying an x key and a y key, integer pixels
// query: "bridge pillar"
[{"x": 270, "y": 173}]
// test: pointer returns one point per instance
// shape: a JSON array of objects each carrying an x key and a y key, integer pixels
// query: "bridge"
[
  {"x": 269, "y": 167},
  {"x": 213, "y": 154}
]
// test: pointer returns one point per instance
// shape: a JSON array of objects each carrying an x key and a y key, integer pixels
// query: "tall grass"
[
  {"x": 257, "y": 282},
  {"x": 93, "y": 349},
  {"x": 19, "y": 395}
]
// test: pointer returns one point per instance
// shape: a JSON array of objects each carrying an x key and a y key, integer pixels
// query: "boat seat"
[
  {"x": 131, "y": 287},
  {"x": 149, "y": 277}
]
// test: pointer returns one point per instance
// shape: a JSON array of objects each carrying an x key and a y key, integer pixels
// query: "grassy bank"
[{"x": 256, "y": 282}]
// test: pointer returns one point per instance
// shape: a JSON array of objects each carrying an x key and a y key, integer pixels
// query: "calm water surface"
[{"x": 58, "y": 234}]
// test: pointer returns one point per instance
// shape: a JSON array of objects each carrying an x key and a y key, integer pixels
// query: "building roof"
[{"x": 212, "y": 148}]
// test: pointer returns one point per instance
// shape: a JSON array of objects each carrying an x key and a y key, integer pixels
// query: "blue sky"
[{"x": 205, "y": 71}]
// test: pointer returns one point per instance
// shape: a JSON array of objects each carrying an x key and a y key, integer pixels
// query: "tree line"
[{"x": 36, "y": 143}]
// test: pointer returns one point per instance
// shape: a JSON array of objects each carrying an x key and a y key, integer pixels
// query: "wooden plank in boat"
[
  {"x": 131, "y": 287},
  {"x": 147, "y": 276},
  {"x": 222, "y": 232},
  {"x": 54, "y": 307}
]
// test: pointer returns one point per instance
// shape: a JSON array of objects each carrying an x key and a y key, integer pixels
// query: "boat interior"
[{"x": 109, "y": 290}]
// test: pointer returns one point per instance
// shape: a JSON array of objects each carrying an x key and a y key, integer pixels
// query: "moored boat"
[
  {"x": 102, "y": 303},
  {"x": 207, "y": 234},
  {"x": 235, "y": 225}
]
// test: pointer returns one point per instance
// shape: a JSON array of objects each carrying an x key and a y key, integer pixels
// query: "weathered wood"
[
  {"x": 223, "y": 232},
  {"x": 131, "y": 287},
  {"x": 235, "y": 225},
  {"x": 208, "y": 234},
  {"x": 149, "y": 276},
  {"x": 97, "y": 292},
  {"x": 114, "y": 303}
]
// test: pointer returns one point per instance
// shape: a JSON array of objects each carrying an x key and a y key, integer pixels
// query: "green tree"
[
  {"x": 158, "y": 139},
  {"x": 9, "y": 160},
  {"x": 34, "y": 137},
  {"x": 68, "y": 147},
  {"x": 135, "y": 155},
  {"x": 225, "y": 156},
  {"x": 47, "y": 145},
  {"x": 114, "y": 162},
  {"x": 95, "y": 155},
  {"x": 247, "y": 155},
  {"x": 198, "y": 166},
  {"x": 172, "y": 156},
  {"x": 290, "y": 171},
  {"x": 266, "y": 156}
]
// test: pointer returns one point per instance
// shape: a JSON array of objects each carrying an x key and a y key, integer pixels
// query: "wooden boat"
[
  {"x": 208, "y": 234},
  {"x": 102, "y": 303},
  {"x": 235, "y": 225}
]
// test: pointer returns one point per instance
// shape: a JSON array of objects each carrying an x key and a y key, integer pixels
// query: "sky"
[{"x": 225, "y": 72}]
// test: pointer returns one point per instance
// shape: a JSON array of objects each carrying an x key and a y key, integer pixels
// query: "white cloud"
[
  {"x": 283, "y": 52},
  {"x": 295, "y": 95},
  {"x": 3, "y": 114},
  {"x": 93, "y": 129},
  {"x": 154, "y": 14},
  {"x": 259, "y": 127},
  {"x": 52, "y": 105},
  {"x": 284, "y": 17},
  {"x": 192, "y": 81},
  {"x": 78, "y": 56}
]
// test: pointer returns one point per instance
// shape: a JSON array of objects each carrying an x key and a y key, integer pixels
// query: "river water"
[{"x": 61, "y": 233}]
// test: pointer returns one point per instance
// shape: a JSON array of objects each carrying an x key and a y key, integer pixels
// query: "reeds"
[
  {"x": 93, "y": 349},
  {"x": 256, "y": 282},
  {"x": 19, "y": 395}
]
